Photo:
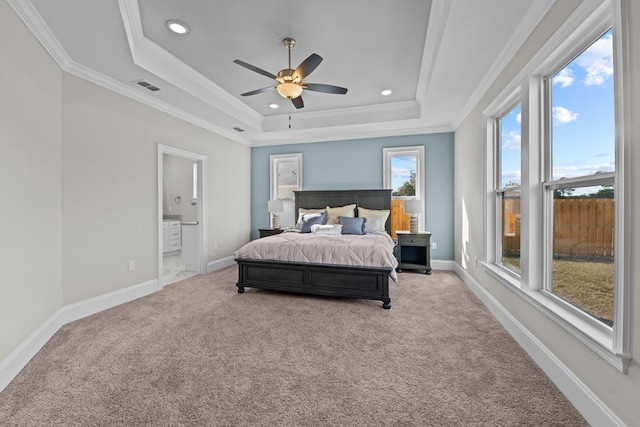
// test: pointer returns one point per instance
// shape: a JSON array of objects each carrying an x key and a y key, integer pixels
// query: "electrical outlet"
[
  {"x": 434, "y": 246},
  {"x": 132, "y": 265}
]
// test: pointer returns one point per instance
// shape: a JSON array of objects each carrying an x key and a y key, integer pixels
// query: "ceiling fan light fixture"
[
  {"x": 289, "y": 90},
  {"x": 177, "y": 26}
]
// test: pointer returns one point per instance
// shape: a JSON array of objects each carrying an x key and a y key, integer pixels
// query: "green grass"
[{"x": 586, "y": 284}]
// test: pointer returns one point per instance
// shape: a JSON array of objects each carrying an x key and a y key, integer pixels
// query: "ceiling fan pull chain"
[{"x": 289, "y": 104}]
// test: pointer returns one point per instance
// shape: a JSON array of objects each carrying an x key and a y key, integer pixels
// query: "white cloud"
[
  {"x": 511, "y": 141},
  {"x": 597, "y": 61},
  {"x": 510, "y": 176},
  {"x": 400, "y": 173},
  {"x": 582, "y": 170},
  {"x": 563, "y": 115},
  {"x": 519, "y": 117},
  {"x": 564, "y": 78}
]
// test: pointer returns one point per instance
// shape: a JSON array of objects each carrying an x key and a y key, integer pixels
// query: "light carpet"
[{"x": 200, "y": 354}]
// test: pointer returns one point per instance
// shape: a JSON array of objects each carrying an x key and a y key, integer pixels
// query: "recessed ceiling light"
[
  {"x": 386, "y": 92},
  {"x": 274, "y": 106},
  {"x": 177, "y": 27}
]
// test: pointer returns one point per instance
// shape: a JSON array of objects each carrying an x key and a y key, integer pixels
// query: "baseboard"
[
  {"x": 18, "y": 359},
  {"x": 221, "y": 263},
  {"x": 438, "y": 264},
  {"x": 100, "y": 303},
  {"x": 588, "y": 404}
]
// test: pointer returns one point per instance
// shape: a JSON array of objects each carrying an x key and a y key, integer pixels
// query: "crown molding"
[
  {"x": 156, "y": 60},
  {"x": 347, "y": 132},
  {"x": 534, "y": 15},
  {"x": 34, "y": 22},
  {"x": 438, "y": 17}
]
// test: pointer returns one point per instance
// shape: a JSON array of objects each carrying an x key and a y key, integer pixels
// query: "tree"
[
  {"x": 409, "y": 187},
  {"x": 606, "y": 192}
]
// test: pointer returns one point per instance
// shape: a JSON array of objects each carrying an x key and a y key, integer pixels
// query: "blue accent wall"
[{"x": 357, "y": 164}]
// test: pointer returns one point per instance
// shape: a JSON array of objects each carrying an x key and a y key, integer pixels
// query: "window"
[
  {"x": 580, "y": 182},
  {"x": 403, "y": 173},
  {"x": 508, "y": 137},
  {"x": 554, "y": 180},
  {"x": 286, "y": 177}
]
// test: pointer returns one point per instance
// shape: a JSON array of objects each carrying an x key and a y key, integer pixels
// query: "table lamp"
[
  {"x": 275, "y": 207},
  {"x": 413, "y": 208}
]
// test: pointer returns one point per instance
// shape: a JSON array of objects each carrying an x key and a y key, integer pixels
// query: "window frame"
[
  {"x": 586, "y": 25},
  {"x": 418, "y": 151},
  {"x": 511, "y": 102},
  {"x": 288, "y": 202}
]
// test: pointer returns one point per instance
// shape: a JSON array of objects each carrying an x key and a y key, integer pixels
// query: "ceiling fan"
[{"x": 290, "y": 82}]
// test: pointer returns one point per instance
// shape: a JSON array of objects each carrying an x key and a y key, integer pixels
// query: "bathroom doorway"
[{"x": 181, "y": 213}]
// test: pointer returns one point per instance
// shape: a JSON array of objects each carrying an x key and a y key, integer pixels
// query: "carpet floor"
[{"x": 200, "y": 354}]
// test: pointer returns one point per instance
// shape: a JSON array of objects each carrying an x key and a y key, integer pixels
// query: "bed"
[{"x": 336, "y": 280}]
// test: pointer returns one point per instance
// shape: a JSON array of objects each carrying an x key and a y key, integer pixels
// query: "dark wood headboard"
[{"x": 369, "y": 199}]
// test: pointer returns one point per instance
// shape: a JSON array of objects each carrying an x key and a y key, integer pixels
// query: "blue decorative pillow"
[
  {"x": 311, "y": 219},
  {"x": 352, "y": 225}
]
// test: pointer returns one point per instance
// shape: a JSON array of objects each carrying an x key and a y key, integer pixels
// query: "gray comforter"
[{"x": 371, "y": 250}]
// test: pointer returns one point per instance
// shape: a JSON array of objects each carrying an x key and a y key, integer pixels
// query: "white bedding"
[{"x": 371, "y": 250}]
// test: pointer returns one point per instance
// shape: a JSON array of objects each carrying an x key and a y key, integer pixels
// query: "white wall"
[
  {"x": 620, "y": 392},
  {"x": 30, "y": 183},
  {"x": 78, "y": 174},
  {"x": 110, "y": 190},
  {"x": 177, "y": 177}
]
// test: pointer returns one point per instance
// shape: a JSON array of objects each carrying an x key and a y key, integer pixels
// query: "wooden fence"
[
  {"x": 581, "y": 227},
  {"x": 399, "y": 219}
]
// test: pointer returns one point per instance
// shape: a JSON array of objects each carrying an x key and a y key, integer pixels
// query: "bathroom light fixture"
[{"x": 177, "y": 27}]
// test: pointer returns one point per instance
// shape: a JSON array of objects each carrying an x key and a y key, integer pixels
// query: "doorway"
[{"x": 181, "y": 215}]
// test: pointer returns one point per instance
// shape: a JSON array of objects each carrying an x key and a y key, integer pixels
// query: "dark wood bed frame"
[{"x": 323, "y": 279}]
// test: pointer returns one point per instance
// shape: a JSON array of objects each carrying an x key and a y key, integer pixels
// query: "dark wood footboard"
[{"x": 317, "y": 279}]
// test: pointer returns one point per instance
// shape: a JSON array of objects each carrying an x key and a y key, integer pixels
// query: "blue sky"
[
  {"x": 583, "y": 118},
  {"x": 401, "y": 167}
]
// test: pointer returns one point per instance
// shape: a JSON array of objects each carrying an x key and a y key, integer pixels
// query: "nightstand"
[
  {"x": 414, "y": 251},
  {"x": 265, "y": 232}
]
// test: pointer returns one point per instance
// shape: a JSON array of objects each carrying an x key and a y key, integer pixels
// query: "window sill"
[{"x": 599, "y": 338}]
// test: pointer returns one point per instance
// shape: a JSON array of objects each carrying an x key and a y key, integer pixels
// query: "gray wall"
[
  {"x": 618, "y": 391},
  {"x": 30, "y": 183},
  {"x": 357, "y": 164},
  {"x": 78, "y": 167}
]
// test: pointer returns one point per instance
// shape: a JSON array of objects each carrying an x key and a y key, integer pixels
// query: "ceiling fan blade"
[
  {"x": 256, "y": 69},
  {"x": 307, "y": 66},
  {"x": 319, "y": 87},
  {"x": 257, "y": 91},
  {"x": 297, "y": 102}
]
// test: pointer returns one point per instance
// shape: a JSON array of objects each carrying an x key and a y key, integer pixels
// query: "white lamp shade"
[
  {"x": 275, "y": 206},
  {"x": 413, "y": 206}
]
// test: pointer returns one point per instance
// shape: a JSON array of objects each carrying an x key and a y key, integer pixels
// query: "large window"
[
  {"x": 508, "y": 136},
  {"x": 555, "y": 204},
  {"x": 580, "y": 181}
]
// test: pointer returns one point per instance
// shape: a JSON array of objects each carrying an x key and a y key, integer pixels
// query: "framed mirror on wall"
[{"x": 285, "y": 177}]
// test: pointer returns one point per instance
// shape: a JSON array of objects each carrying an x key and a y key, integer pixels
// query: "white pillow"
[
  {"x": 334, "y": 213},
  {"x": 372, "y": 226},
  {"x": 301, "y": 212},
  {"x": 372, "y": 214},
  {"x": 335, "y": 229}
]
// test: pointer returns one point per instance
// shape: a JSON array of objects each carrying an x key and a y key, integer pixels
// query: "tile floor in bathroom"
[{"x": 173, "y": 268}]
